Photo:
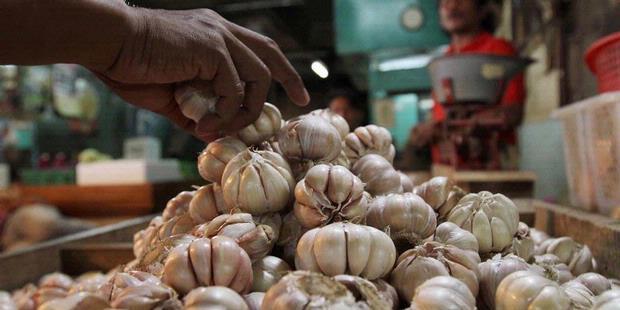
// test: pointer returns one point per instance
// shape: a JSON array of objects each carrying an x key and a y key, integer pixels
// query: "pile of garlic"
[{"x": 305, "y": 214}]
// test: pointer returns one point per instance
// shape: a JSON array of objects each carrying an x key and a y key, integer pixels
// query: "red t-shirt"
[{"x": 485, "y": 43}]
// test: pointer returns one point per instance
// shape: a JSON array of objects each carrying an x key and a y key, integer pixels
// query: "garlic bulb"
[
  {"x": 335, "y": 120},
  {"x": 89, "y": 282},
  {"x": 528, "y": 290},
  {"x": 406, "y": 182},
  {"x": 175, "y": 226},
  {"x": 577, "y": 256},
  {"x": 388, "y": 292},
  {"x": 290, "y": 233},
  {"x": 78, "y": 301},
  {"x": 177, "y": 205},
  {"x": 267, "y": 272},
  {"x": 52, "y": 286},
  {"x": 608, "y": 300},
  {"x": 214, "y": 297},
  {"x": 378, "y": 174},
  {"x": 205, "y": 262},
  {"x": 492, "y": 218},
  {"x": 301, "y": 167},
  {"x": 6, "y": 302},
  {"x": 311, "y": 138},
  {"x": 365, "y": 292},
  {"x": 371, "y": 139},
  {"x": 522, "y": 243},
  {"x": 264, "y": 127},
  {"x": 595, "y": 282},
  {"x": 441, "y": 194},
  {"x": 257, "y": 182},
  {"x": 309, "y": 290},
  {"x": 213, "y": 159},
  {"x": 454, "y": 251},
  {"x": 408, "y": 217},
  {"x": 23, "y": 297},
  {"x": 256, "y": 239},
  {"x": 552, "y": 268},
  {"x": 346, "y": 248},
  {"x": 254, "y": 300},
  {"x": 196, "y": 100},
  {"x": 144, "y": 238},
  {"x": 492, "y": 272},
  {"x": 441, "y": 293},
  {"x": 329, "y": 194},
  {"x": 580, "y": 296},
  {"x": 139, "y": 290},
  {"x": 538, "y": 236},
  {"x": 207, "y": 203}
]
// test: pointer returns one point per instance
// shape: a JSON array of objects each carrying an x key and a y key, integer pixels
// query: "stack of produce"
[{"x": 307, "y": 215}]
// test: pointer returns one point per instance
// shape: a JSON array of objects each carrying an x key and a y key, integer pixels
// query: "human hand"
[{"x": 165, "y": 48}]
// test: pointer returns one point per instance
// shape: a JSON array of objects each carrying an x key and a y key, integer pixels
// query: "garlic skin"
[
  {"x": 178, "y": 205},
  {"x": 578, "y": 257},
  {"x": 267, "y": 272},
  {"x": 256, "y": 239},
  {"x": 441, "y": 194},
  {"x": 258, "y": 182},
  {"x": 175, "y": 226},
  {"x": 139, "y": 290},
  {"x": 371, "y": 139},
  {"x": 388, "y": 292},
  {"x": 23, "y": 297},
  {"x": 492, "y": 272},
  {"x": 522, "y": 244},
  {"x": 552, "y": 268},
  {"x": 595, "y": 282},
  {"x": 346, "y": 248},
  {"x": 78, "y": 301},
  {"x": 6, "y": 302},
  {"x": 290, "y": 233},
  {"x": 492, "y": 218},
  {"x": 453, "y": 252},
  {"x": 264, "y": 127},
  {"x": 335, "y": 120},
  {"x": 89, "y": 282},
  {"x": 213, "y": 159},
  {"x": 254, "y": 300},
  {"x": 405, "y": 182},
  {"x": 217, "y": 261},
  {"x": 528, "y": 290},
  {"x": 580, "y": 296},
  {"x": 443, "y": 293},
  {"x": 214, "y": 297},
  {"x": 329, "y": 194},
  {"x": 608, "y": 300},
  {"x": 207, "y": 203},
  {"x": 365, "y": 292},
  {"x": 310, "y": 138},
  {"x": 301, "y": 167},
  {"x": 378, "y": 174},
  {"x": 144, "y": 238},
  {"x": 52, "y": 286},
  {"x": 408, "y": 217},
  {"x": 196, "y": 99},
  {"x": 538, "y": 236}
]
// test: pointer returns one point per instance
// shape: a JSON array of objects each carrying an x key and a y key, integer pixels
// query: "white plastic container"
[
  {"x": 592, "y": 151},
  {"x": 128, "y": 171}
]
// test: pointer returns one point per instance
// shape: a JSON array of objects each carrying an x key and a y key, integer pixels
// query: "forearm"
[{"x": 86, "y": 32}]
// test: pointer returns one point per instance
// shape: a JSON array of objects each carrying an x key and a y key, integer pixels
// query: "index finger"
[{"x": 281, "y": 69}]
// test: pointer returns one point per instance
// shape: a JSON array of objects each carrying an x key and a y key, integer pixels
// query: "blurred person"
[
  {"x": 142, "y": 54},
  {"x": 343, "y": 103}
]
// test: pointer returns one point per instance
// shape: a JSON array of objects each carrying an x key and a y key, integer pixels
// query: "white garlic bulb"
[
  {"x": 207, "y": 203},
  {"x": 254, "y": 300},
  {"x": 578, "y": 257},
  {"x": 441, "y": 194},
  {"x": 609, "y": 300},
  {"x": 493, "y": 271},
  {"x": 552, "y": 268},
  {"x": 406, "y": 182},
  {"x": 443, "y": 293},
  {"x": 78, "y": 301},
  {"x": 492, "y": 218},
  {"x": 139, "y": 290},
  {"x": 524, "y": 290},
  {"x": 258, "y": 182},
  {"x": 329, "y": 194},
  {"x": 309, "y": 138},
  {"x": 371, "y": 139},
  {"x": 378, "y": 174},
  {"x": 595, "y": 282},
  {"x": 290, "y": 233},
  {"x": 196, "y": 100},
  {"x": 213, "y": 159},
  {"x": 177, "y": 205},
  {"x": 522, "y": 244},
  {"x": 264, "y": 127},
  {"x": 346, "y": 248},
  {"x": 406, "y": 215},
  {"x": 335, "y": 119},
  {"x": 538, "y": 236},
  {"x": 214, "y": 297},
  {"x": 267, "y": 272},
  {"x": 6, "y": 302},
  {"x": 366, "y": 292},
  {"x": 580, "y": 296}
]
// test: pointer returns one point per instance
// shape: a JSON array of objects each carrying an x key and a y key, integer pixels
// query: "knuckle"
[{"x": 270, "y": 43}]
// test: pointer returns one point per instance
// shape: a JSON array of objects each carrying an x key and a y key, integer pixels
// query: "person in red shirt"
[{"x": 466, "y": 22}]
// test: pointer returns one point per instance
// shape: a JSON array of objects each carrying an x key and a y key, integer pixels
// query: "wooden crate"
[
  {"x": 600, "y": 233},
  {"x": 95, "y": 249}
]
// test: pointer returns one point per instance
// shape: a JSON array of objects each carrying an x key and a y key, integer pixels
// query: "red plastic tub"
[{"x": 603, "y": 58}]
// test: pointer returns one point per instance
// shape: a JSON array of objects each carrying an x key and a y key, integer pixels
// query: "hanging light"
[{"x": 320, "y": 69}]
